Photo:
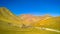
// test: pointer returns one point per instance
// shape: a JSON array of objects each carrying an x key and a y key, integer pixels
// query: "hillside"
[
  {"x": 28, "y": 19},
  {"x": 10, "y": 23},
  {"x": 6, "y": 28},
  {"x": 53, "y": 22},
  {"x": 6, "y": 15}
]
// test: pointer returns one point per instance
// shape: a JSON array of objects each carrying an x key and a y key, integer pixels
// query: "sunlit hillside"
[
  {"x": 6, "y": 28},
  {"x": 28, "y": 24},
  {"x": 53, "y": 22},
  {"x": 6, "y": 15}
]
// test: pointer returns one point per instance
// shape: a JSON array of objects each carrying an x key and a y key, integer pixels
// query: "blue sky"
[{"x": 34, "y": 7}]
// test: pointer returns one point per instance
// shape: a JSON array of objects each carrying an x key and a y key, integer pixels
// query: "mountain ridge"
[{"x": 6, "y": 15}]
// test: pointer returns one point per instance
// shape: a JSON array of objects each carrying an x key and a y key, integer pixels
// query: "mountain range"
[{"x": 12, "y": 23}]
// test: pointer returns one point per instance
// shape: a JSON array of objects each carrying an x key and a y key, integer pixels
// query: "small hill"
[{"x": 6, "y": 15}]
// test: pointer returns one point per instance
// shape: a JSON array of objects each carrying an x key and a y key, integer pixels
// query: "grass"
[{"x": 5, "y": 28}]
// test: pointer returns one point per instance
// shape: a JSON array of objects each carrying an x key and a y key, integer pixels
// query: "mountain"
[
  {"x": 10, "y": 23},
  {"x": 28, "y": 19},
  {"x": 41, "y": 21},
  {"x": 6, "y": 15}
]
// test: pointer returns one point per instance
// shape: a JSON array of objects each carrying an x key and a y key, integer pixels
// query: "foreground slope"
[{"x": 6, "y": 28}]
